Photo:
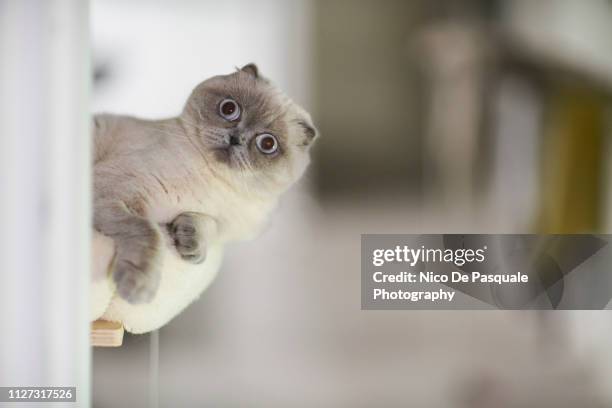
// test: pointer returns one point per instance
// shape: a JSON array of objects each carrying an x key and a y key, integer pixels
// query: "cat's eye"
[
  {"x": 266, "y": 143},
  {"x": 229, "y": 110}
]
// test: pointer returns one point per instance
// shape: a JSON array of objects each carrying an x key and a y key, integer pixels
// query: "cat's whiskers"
[
  {"x": 215, "y": 141},
  {"x": 165, "y": 132},
  {"x": 216, "y": 135},
  {"x": 236, "y": 163},
  {"x": 186, "y": 125},
  {"x": 247, "y": 162},
  {"x": 193, "y": 125},
  {"x": 248, "y": 173}
]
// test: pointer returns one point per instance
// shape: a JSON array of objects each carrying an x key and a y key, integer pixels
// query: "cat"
[{"x": 212, "y": 174}]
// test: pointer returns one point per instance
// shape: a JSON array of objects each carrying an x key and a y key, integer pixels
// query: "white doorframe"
[{"x": 45, "y": 194}]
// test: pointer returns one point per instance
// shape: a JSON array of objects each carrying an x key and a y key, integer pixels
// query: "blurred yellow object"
[{"x": 572, "y": 171}]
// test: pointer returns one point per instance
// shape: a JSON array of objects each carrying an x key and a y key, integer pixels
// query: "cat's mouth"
[
  {"x": 223, "y": 154},
  {"x": 233, "y": 156}
]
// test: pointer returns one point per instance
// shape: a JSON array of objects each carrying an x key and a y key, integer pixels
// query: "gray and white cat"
[{"x": 212, "y": 174}]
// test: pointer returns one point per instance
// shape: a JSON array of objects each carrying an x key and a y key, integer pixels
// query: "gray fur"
[
  {"x": 137, "y": 242},
  {"x": 188, "y": 231}
]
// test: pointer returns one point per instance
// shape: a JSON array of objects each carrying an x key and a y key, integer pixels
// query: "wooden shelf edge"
[{"x": 106, "y": 334}]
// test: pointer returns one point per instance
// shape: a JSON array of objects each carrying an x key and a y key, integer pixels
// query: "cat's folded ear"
[
  {"x": 310, "y": 132},
  {"x": 251, "y": 69}
]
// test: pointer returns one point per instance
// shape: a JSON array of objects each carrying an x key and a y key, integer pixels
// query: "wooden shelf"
[{"x": 106, "y": 334}]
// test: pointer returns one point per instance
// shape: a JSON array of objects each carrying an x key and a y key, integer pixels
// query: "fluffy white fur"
[{"x": 181, "y": 284}]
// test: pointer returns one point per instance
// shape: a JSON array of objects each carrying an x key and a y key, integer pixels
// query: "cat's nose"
[{"x": 234, "y": 140}]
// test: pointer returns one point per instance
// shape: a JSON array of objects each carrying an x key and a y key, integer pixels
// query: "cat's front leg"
[
  {"x": 190, "y": 232},
  {"x": 138, "y": 242}
]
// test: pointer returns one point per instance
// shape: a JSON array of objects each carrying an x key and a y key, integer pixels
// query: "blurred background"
[{"x": 435, "y": 116}]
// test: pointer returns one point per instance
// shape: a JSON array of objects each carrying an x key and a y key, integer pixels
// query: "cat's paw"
[
  {"x": 137, "y": 269},
  {"x": 188, "y": 238},
  {"x": 136, "y": 283}
]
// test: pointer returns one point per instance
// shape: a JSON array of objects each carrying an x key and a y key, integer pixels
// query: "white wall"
[
  {"x": 158, "y": 51},
  {"x": 44, "y": 195}
]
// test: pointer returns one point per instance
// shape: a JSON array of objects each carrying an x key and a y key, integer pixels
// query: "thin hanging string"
[{"x": 154, "y": 369}]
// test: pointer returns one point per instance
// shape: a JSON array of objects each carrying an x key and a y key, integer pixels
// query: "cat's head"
[{"x": 250, "y": 130}]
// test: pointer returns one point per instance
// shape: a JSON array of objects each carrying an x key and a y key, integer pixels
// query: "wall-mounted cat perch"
[{"x": 106, "y": 334}]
